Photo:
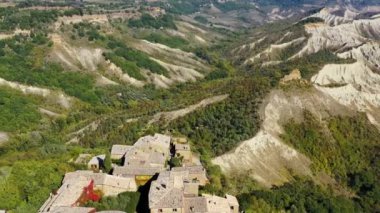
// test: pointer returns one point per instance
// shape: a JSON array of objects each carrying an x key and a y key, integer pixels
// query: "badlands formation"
[
  {"x": 337, "y": 89},
  {"x": 181, "y": 66}
]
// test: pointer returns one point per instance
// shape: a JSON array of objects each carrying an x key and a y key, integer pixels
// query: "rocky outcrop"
[
  {"x": 337, "y": 34},
  {"x": 327, "y": 14},
  {"x": 340, "y": 38},
  {"x": 293, "y": 76},
  {"x": 357, "y": 74},
  {"x": 368, "y": 54},
  {"x": 355, "y": 85}
]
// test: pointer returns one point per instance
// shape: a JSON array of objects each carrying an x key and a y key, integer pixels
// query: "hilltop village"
[{"x": 150, "y": 162}]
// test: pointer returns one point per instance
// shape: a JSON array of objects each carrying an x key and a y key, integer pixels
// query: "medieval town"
[{"x": 145, "y": 164}]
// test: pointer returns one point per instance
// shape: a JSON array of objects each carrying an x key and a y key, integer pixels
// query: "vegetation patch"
[
  {"x": 18, "y": 112},
  {"x": 233, "y": 5},
  {"x": 29, "y": 184},
  {"x": 32, "y": 70},
  {"x": 346, "y": 148},
  {"x": 129, "y": 58},
  {"x": 218, "y": 128},
  {"x": 186, "y": 7},
  {"x": 310, "y": 20},
  {"x": 148, "y": 21},
  {"x": 83, "y": 29},
  {"x": 170, "y": 41},
  {"x": 308, "y": 65},
  {"x": 201, "y": 19},
  {"x": 299, "y": 195},
  {"x": 13, "y": 18},
  {"x": 126, "y": 66}
]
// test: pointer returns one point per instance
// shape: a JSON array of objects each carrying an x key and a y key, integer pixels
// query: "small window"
[
  {"x": 160, "y": 210},
  {"x": 174, "y": 210}
]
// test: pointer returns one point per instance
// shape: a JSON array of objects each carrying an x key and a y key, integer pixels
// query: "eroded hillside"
[
  {"x": 333, "y": 90},
  {"x": 278, "y": 99}
]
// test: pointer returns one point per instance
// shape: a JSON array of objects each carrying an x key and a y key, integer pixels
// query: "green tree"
[{"x": 108, "y": 162}]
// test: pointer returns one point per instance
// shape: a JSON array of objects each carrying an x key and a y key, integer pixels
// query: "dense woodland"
[
  {"x": 299, "y": 195},
  {"x": 219, "y": 128},
  {"x": 349, "y": 153}
]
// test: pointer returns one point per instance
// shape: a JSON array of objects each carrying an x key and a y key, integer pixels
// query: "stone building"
[
  {"x": 177, "y": 191},
  {"x": 147, "y": 157},
  {"x": 67, "y": 196}
]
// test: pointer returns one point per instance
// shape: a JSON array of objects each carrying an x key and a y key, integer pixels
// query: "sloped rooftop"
[
  {"x": 191, "y": 169},
  {"x": 167, "y": 191},
  {"x": 73, "y": 184},
  {"x": 129, "y": 171},
  {"x": 70, "y": 209},
  {"x": 216, "y": 204},
  {"x": 120, "y": 149},
  {"x": 172, "y": 189},
  {"x": 149, "y": 151},
  {"x": 195, "y": 204}
]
